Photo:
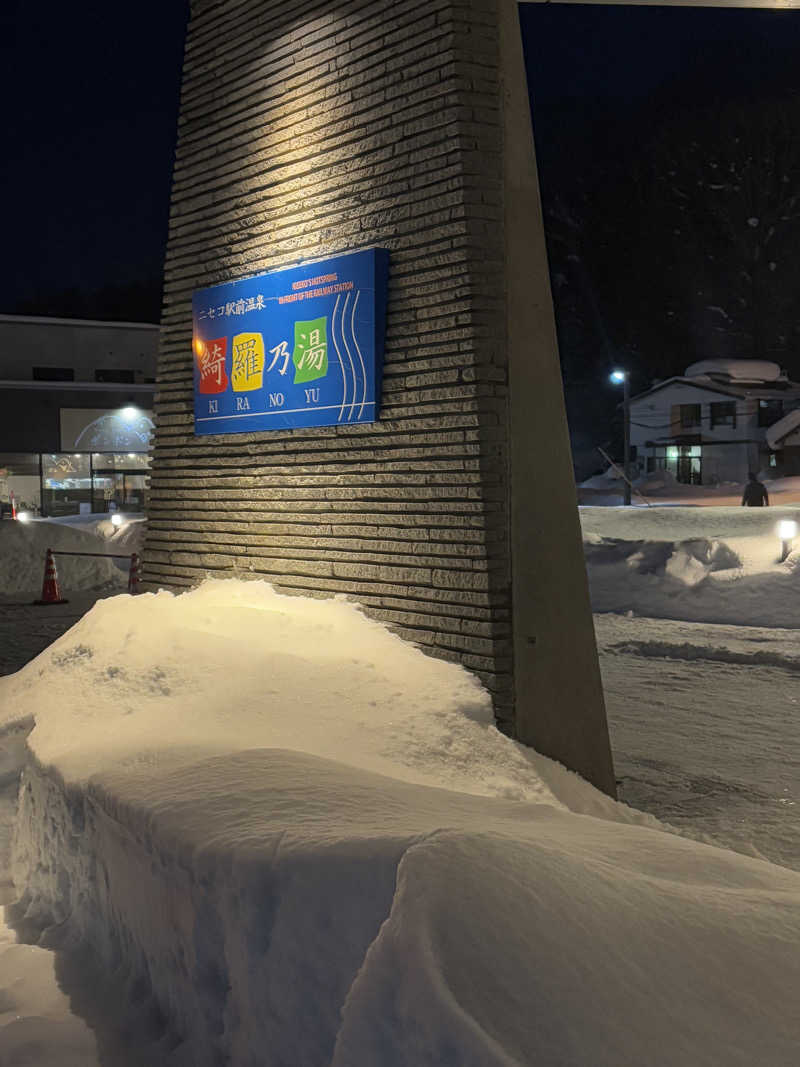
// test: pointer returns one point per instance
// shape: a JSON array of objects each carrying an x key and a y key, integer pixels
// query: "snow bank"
[
  {"x": 236, "y": 665},
  {"x": 700, "y": 564},
  {"x": 276, "y": 901},
  {"x": 300, "y": 840},
  {"x": 23, "y": 546}
]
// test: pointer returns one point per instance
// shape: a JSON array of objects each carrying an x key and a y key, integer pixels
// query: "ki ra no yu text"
[{"x": 250, "y": 363}]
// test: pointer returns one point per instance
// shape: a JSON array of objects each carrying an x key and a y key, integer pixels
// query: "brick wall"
[{"x": 308, "y": 129}]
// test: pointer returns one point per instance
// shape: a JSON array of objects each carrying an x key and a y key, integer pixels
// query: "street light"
[
  {"x": 787, "y": 531},
  {"x": 617, "y": 377}
]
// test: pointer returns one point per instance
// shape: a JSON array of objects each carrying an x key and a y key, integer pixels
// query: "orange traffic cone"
[
  {"x": 13, "y": 506},
  {"x": 134, "y": 575},
  {"x": 51, "y": 594}
]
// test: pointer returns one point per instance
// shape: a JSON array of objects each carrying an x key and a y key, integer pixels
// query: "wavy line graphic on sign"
[
  {"x": 349, "y": 356},
  {"x": 339, "y": 357},
  {"x": 360, "y": 358}
]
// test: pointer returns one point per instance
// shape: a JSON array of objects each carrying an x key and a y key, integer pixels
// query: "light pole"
[
  {"x": 618, "y": 376},
  {"x": 786, "y": 531}
]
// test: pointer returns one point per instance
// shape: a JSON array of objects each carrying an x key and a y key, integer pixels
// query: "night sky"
[
  {"x": 601, "y": 78},
  {"x": 90, "y": 108},
  {"x": 616, "y": 91},
  {"x": 91, "y": 103}
]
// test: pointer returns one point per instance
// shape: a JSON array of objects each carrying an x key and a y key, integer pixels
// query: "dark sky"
[
  {"x": 90, "y": 109},
  {"x": 607, "y": 85},
  {"x": 601, "y": 77},
  {"x": 90, "y": 102}
]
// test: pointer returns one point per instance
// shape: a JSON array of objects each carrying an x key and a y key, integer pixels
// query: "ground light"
[
  {"x": 117, "y": 519},
  {"x": 621, "y": 377},
  {"x": 24, "y": 516},
  {"x": 786, "y": 531}
]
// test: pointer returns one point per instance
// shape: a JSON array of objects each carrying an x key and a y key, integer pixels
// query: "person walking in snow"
[{"x": 755, "y": 493}]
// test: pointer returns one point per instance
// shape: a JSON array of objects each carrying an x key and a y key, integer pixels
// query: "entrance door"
[
  {"x": 119, "y": 490},
  {"x": 689, "y": 466},
  {"x": 684, "y": 470}
]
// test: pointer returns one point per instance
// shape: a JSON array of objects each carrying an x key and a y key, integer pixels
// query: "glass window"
[
  {"x": 19, "y": 483},
  {"x": 53, "y": 374},
  {"x": 66, "y": 483},
  {"x": 684, "y": 461},
  {"x": 769, "y": 411},
  {"x": 114, "y": 375},
  {"x": 118, "y": 461},
  {"x": 120, "y": 491},
  {"x": 690, "y": 415},
  {"x": 723, "y": 414}
]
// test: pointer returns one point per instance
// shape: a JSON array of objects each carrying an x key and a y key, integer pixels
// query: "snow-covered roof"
[
  {"x": 780, "y": 430},
  {"x": 752, "y": 371},
  {"x": 781, "y": 387},
  {"x": 708, "y": 386}
]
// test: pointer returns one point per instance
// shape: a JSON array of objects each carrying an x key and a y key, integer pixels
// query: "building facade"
[
  {"x": 711, "y": 425},
  {"x": 76, "y": 400}
]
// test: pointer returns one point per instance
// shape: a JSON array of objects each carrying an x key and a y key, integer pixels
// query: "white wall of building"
[
  {"x": 83, "y": 345},
  {"x": 722, "y": 450},
  {"x": 655, "y": 415}
]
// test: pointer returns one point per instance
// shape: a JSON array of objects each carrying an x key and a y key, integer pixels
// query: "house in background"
[
  {"x": 76, "y": 398},
  {"x": 711, "y": 425},
  {"x": 783, "y": 437}
]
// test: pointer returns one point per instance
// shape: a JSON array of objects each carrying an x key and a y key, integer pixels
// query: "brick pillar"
[{"x": 306, "y": 131}]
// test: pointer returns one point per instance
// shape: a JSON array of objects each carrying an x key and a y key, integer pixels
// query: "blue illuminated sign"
[{"x": 301, "y": 346}]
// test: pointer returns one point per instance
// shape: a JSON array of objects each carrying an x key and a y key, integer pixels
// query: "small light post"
[
  {"x": 618, "y": 376},
  {"x": 787, "y": 531}
]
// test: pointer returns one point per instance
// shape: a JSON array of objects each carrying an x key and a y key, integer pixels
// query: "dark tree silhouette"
[{"x": 725, "y": 220}]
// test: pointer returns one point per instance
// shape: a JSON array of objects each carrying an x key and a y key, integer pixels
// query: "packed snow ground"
[
  {"x": 276, "y": 826},
  {"x": 697, "y": 625}
]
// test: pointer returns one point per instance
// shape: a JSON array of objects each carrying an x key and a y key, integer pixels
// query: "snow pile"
[
  {"x": 293, "y": 838},
  {"x": 703, "y": 564},
  {"x": 236, "y": 665},
  {"x": 23, "y": 546}
]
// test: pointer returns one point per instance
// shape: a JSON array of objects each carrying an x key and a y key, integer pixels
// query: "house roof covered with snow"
[
  {"x": 743, "y": 371},
  {"x": 758, "y": 379},
  {"x": 780, "y": 430}
]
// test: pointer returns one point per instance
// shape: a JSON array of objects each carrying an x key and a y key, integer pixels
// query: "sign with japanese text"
[{"x": 300, "y": 346}]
